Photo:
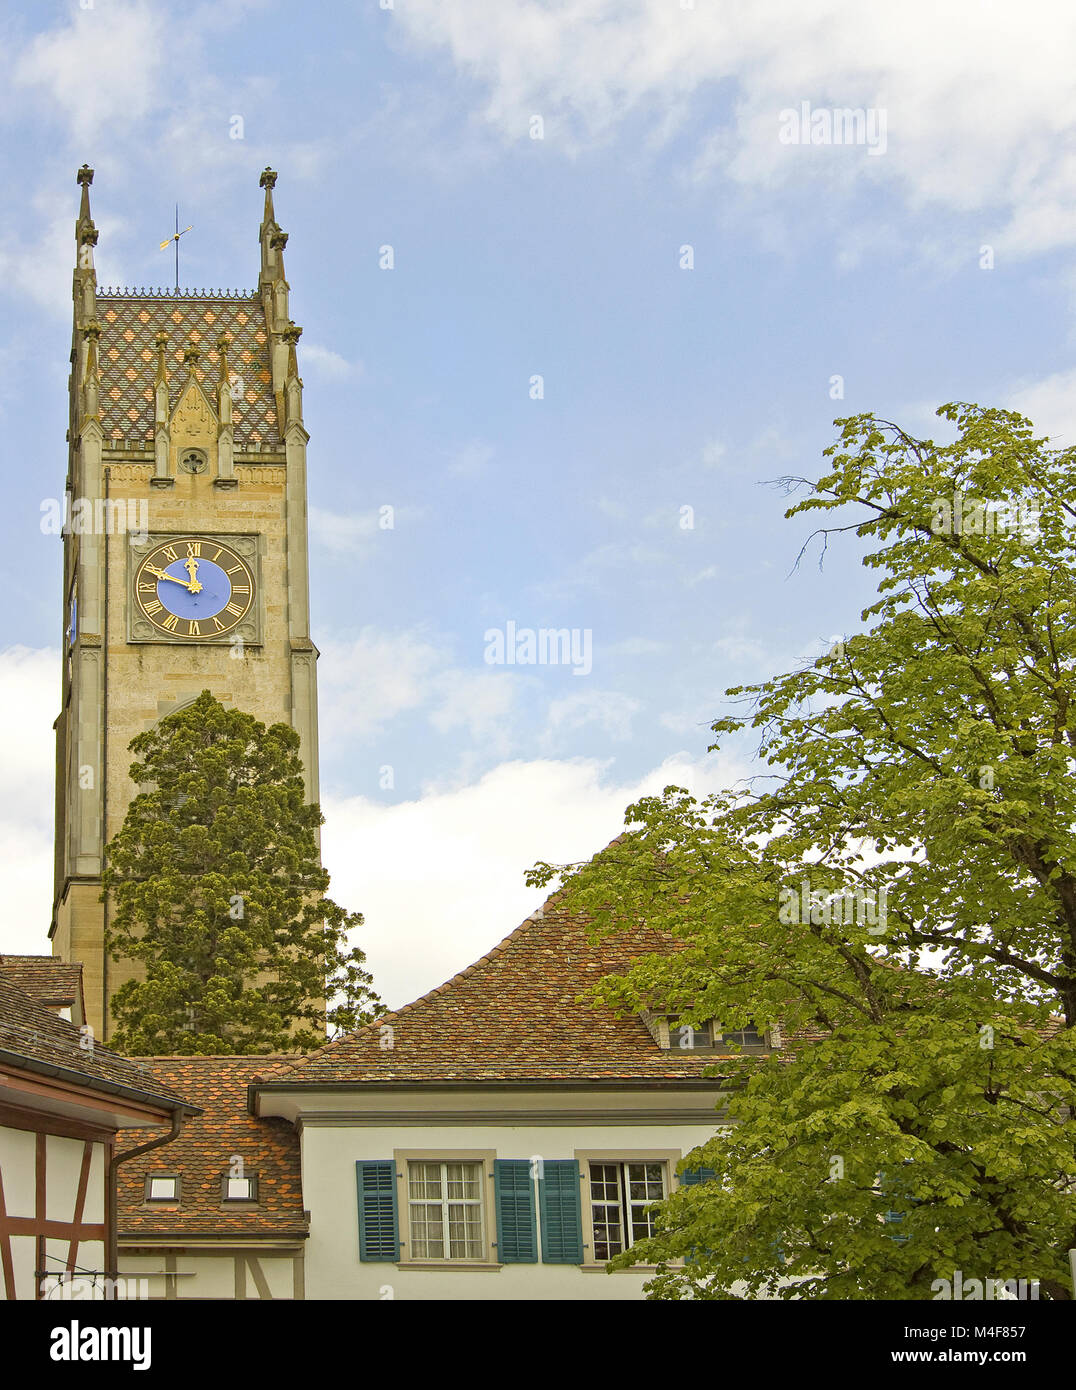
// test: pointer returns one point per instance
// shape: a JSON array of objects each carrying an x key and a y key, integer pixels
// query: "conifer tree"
[{"x": 215, "y": 886}]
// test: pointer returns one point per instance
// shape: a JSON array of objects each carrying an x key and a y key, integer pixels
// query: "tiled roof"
[
  {"x": 33, "y": 1033},
  {"x": 514, "y": 1016},
  {"x": 203, "y": 1152},
  {"x": 44, "y": 978},
  {"x": 128, "y": 357}
]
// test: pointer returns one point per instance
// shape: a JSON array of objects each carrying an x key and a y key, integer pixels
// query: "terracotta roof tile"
[
  {"x": 514, "y": 1015},
  {"x": 203, "y": 1152},
  {"x": 50, "y": 981},
  {"x": 33, "y": 1033}
]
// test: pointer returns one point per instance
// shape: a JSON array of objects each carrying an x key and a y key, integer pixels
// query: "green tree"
[
  {"x": 898, "y": 895},
  {"x": 216, "y": 887}
]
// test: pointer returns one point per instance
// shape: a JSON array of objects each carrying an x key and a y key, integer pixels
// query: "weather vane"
[{"x": 175, "y": 238}]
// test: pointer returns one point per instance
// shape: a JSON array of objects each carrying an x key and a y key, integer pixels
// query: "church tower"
[{"x": 185, "y": 548}]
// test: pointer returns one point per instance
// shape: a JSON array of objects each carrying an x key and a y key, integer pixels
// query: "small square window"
[
  {"x": 239, "y": 1189},
  {"x": 162, "y": 1187}
]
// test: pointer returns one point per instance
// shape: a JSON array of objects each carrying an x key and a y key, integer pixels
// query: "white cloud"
[
  {"x": 371, "y": 678},
  {"x": 105, "y": 64},
  {"x": 440, "y": 879},
  {"x": 610, "y": 710},
  {"x": 1050, "y": 405},
  {"x": 29, "y": 697},
  {"x": 329, "y": 364},
  {"x": 471, "y": 459},
  {"x": 482, "y": 702},
  {"x": 983, "y": 124}
]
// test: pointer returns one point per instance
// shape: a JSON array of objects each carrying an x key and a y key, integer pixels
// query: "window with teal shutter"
[
  {"x": 379, "y": 1231},
  {"x": 517, "y": 1231},
  {"x": 562, "y": 1217},
  {"x": 689, "y": 1178},
  {"x": 892, "y": 1188}
]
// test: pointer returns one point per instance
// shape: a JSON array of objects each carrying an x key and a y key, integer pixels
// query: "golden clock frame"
[{"x": 250, "y": 628}]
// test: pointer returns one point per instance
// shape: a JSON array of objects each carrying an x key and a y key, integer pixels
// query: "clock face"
[{"x": 193, "y": 587}]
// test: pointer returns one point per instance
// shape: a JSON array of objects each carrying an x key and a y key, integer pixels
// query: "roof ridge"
[{"x": 538, "y": 915}]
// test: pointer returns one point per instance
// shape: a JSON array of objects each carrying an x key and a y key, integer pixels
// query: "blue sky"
[{"x": 664, "y": 388}]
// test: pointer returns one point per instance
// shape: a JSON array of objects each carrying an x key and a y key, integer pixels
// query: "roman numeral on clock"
[
  {"x": 170, "y": 551},
  {"x": 153, "y": 607},
  {"x": 170, "y": 622},
  {"x": 194, "y": 630},
  {"x": 234, "y": 608},
  {"x": 194, "y": 547},
  {"x": 217, "y": 624}
]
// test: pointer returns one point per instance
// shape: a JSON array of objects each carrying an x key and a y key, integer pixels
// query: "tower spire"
[
  {"x": 84, "y": 289},
  {"x": 274, "y": 292}
]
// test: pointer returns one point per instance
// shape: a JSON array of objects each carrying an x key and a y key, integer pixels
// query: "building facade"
[{"x": 63, "y": 1102}]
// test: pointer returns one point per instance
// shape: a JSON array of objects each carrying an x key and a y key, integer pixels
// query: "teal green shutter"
[
  {"x": 891, "y": 1189},
  {"x": 688, "y": 1178},
  {"x": 562, "y": 1218},
  {"x": 517, "y": 1232},
  {"x": 379, "y": 1232}
]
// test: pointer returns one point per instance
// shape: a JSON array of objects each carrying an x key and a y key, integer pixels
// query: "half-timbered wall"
[{"x": 53, "y": 1191}]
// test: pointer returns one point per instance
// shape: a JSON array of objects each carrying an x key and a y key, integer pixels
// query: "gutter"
[
  {"x": 109, "y": 1088},
  {"x": 112, "y": 1233}
]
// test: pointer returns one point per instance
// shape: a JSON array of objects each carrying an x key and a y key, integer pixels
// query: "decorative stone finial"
[
  {"x": 267, "y": 180},
  {"x": 85, "y": 175},
  {"x": 223, "y": 343}
]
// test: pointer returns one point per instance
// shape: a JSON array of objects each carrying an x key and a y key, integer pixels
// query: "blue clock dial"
[
  {"x": 194, "y": 587},
  {"x": 184, "y": 599}
]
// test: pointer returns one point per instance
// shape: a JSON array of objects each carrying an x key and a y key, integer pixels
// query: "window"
[
  {"x": 162, "y": 1187},
  {"x": 619, "y": 1196},
  {"x": 742, "y": 1037},
  {"x": 239, "y": 1189},
  {"x": 709, "y": 1036},
  {"x": 445, "y": 1210}
]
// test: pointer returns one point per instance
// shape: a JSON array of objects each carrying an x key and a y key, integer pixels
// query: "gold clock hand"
[
  {"x": 191, "y": 566},
  {"x": 162, "y": 575}
]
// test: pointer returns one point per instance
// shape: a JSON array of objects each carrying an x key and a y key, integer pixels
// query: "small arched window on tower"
[{"x": 193, "y": 461}]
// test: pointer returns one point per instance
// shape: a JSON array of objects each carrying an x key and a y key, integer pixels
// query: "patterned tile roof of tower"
[
  {"x": 130, "y": 323},
  {"x": 204, "y": 1150},
  {"x": 44, "y": 978},
  {"x": 32, "y": 1035},
  {"x": 514, "y": 1015}
]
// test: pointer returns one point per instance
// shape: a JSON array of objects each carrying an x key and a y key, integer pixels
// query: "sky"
[{"x": 623, "y": 302}]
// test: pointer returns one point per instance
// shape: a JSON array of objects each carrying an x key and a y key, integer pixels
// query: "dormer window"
[
  {"x": 162, "y": 1187},
  {"x": 711, "y": 1037},
  {"x": 238, "y": 1189}
]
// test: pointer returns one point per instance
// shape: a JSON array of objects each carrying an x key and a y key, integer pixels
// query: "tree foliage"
[
  {"x": 898, "y": 895},
  {"x": 216, "y": 888}
]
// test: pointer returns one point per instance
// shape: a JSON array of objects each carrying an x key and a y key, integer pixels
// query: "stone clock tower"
[{"x": 185, "y": 548}]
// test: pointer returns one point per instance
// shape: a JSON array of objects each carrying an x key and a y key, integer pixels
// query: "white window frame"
[
  {"x": 626, "y": 1205},
  {"x": 445, "y": 1203}
]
